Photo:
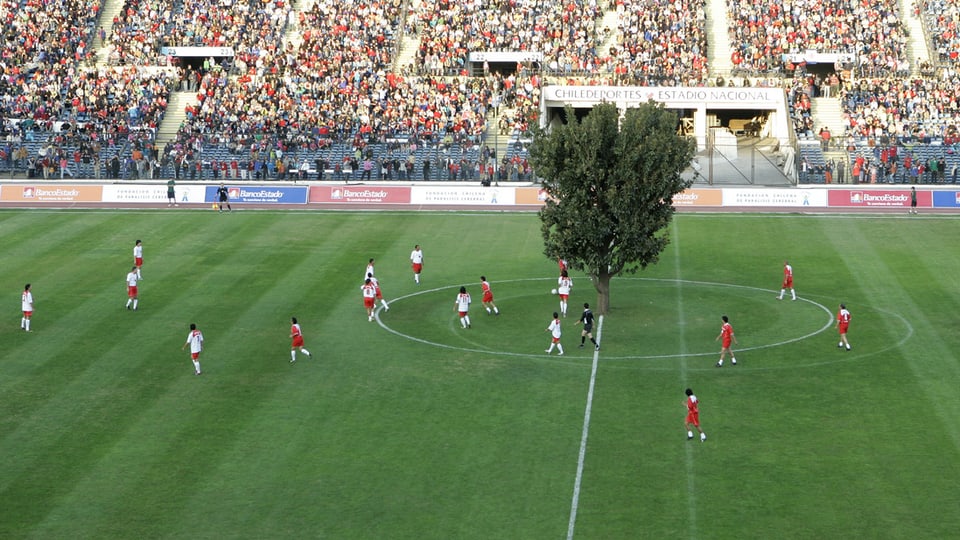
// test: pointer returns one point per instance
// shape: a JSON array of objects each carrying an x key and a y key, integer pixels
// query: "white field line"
[{"x": 574, "y": 503}]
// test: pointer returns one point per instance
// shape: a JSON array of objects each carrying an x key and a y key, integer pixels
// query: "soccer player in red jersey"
[
  {"x": 693, "y": 415},
  {"x": 297, "y": 336},
  {"x": 843, "y": 323},
  {"x": 376, "y": 287},
  {"x": 369, "y": 297},
  {"x": 726, "y": 337},
  {"x": 787, "y": 281},
  {"x": 488, "y": 297}
]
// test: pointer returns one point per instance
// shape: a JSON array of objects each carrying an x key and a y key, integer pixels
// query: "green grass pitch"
[{"x": 411, "y": 427}]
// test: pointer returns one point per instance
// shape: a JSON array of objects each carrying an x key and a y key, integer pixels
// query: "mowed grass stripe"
[
  {"x": 201, "y": 410},
  {"x": 895, "y": 280},
  {"x": 96, "y": 382}
]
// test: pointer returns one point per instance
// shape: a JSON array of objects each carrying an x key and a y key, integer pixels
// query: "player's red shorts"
[
  {"x": 693, "y": 418},
  {"x": 842, "y": 328},
  {"x": 462, "y": 313},
  {"x": 368, "y": 302},
  {"x": 788, "y": 283},
  {"x": 556, "y": 340},
  {"x": 379, "y": 294},
  {"x": 138, "y": 261},
  {"x": 564, "y": 297},
  {"x": 726, "y": 343},
  {"x": 132, "y": 291},
  {"x": 27, "y": 314},
  {"x": 297, "y": 341},
  {"x": 194, "y": 355},
  {"x": 487, "y": 296},
  {"x": 417, "y": 267}
]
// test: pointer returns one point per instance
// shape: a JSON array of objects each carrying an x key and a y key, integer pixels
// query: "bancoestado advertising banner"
[
  {"x": 877, "y": 198},
  {"x": 53, "y": 193},
  {"x": 360, "y": 194},
  {"x": 943, "y": 199},
  {"x": 261, "y": 194}
]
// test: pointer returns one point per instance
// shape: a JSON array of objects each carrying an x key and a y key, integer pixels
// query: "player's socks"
[
  {"x": 196, "y": 366},
  {"x": 781, "y": 295},
  {"x": 733, "y": 361},
  {"x": 128, "y": 303},
  {"x": 135, "y": 304},
  {"x": 794, "y": 294},
  {"x": 489, "y": 311},
  {"x": 27, "y": 326},
  {"x": 306, "y": 352},
  {"x": 720, "y": 363},
  {"x": 385, "y": 306},
  {"x": 23, "y": 322},
  {"x": 560, "y": 348},
  {"x": 496, "y": 310},
  {"x": 467, "y": 318},
  {"x": 703, "y": 436},
  {"x": 293, "y": 355},
  {"x": 689, "y": 435}
]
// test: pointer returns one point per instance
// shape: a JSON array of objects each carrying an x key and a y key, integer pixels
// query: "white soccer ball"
[{"x": 553, "y": 291}]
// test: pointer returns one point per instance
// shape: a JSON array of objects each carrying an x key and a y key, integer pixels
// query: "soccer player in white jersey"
[
  {"x": 416, "y": 262},
  {"x": 138, "y": 257},
  {"x": 133, "y": 296},
  {"x": 462, "y": 304},
  {"x": 195, "y": 341},
  {"x": 369, "y": 297},
  {"x": 554, "y": 330},
  {"x": 26, "y": 304},
  {"x": 564, "y": 284},
  {"x": 297, "y": 336},
  {"x": 369, "y": 271}
]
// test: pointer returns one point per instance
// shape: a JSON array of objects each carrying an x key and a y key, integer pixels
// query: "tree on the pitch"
[{"x": 610, "y": 183}]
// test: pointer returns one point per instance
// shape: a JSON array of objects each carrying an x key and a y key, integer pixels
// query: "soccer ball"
[{"x": 553, "y": 291}]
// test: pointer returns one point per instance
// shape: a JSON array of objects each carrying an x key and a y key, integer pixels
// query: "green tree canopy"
[{"x": 611, "y": 183}]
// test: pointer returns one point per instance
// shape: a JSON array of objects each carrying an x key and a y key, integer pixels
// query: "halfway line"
[{"x": 583, "y": 437}]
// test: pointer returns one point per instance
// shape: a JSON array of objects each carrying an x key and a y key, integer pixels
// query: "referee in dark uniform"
[
  {"x": 587, "y": 320},
  {"x": 224, "y": 197}
]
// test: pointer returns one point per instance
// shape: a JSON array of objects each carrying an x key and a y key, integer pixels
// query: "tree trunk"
[{"x": 602, "y": 283}]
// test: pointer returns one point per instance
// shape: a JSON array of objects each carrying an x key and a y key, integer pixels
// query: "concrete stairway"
[
  {"x": 111, "y": 8},
  {"x": 174, "y": 116},
  {"x": 828, "y": 112},
  {"x": 409, "y": 43},
  {"x": 917, "y": 43},
  {"x": 718, "y": 38}
]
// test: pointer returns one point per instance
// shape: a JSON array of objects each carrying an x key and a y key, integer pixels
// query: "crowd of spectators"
[
  {"x": 762, "y": 31},
  {"x": 659, "y": 42},
  {"x": 567, "y": 32},
  {"x": 144, "y": 27},
  {"x": 942, "y": 19},
  {"x": 279, "y": 109}
]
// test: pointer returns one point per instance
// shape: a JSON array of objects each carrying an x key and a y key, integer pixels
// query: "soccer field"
[{"x": 412, "y": 427}]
